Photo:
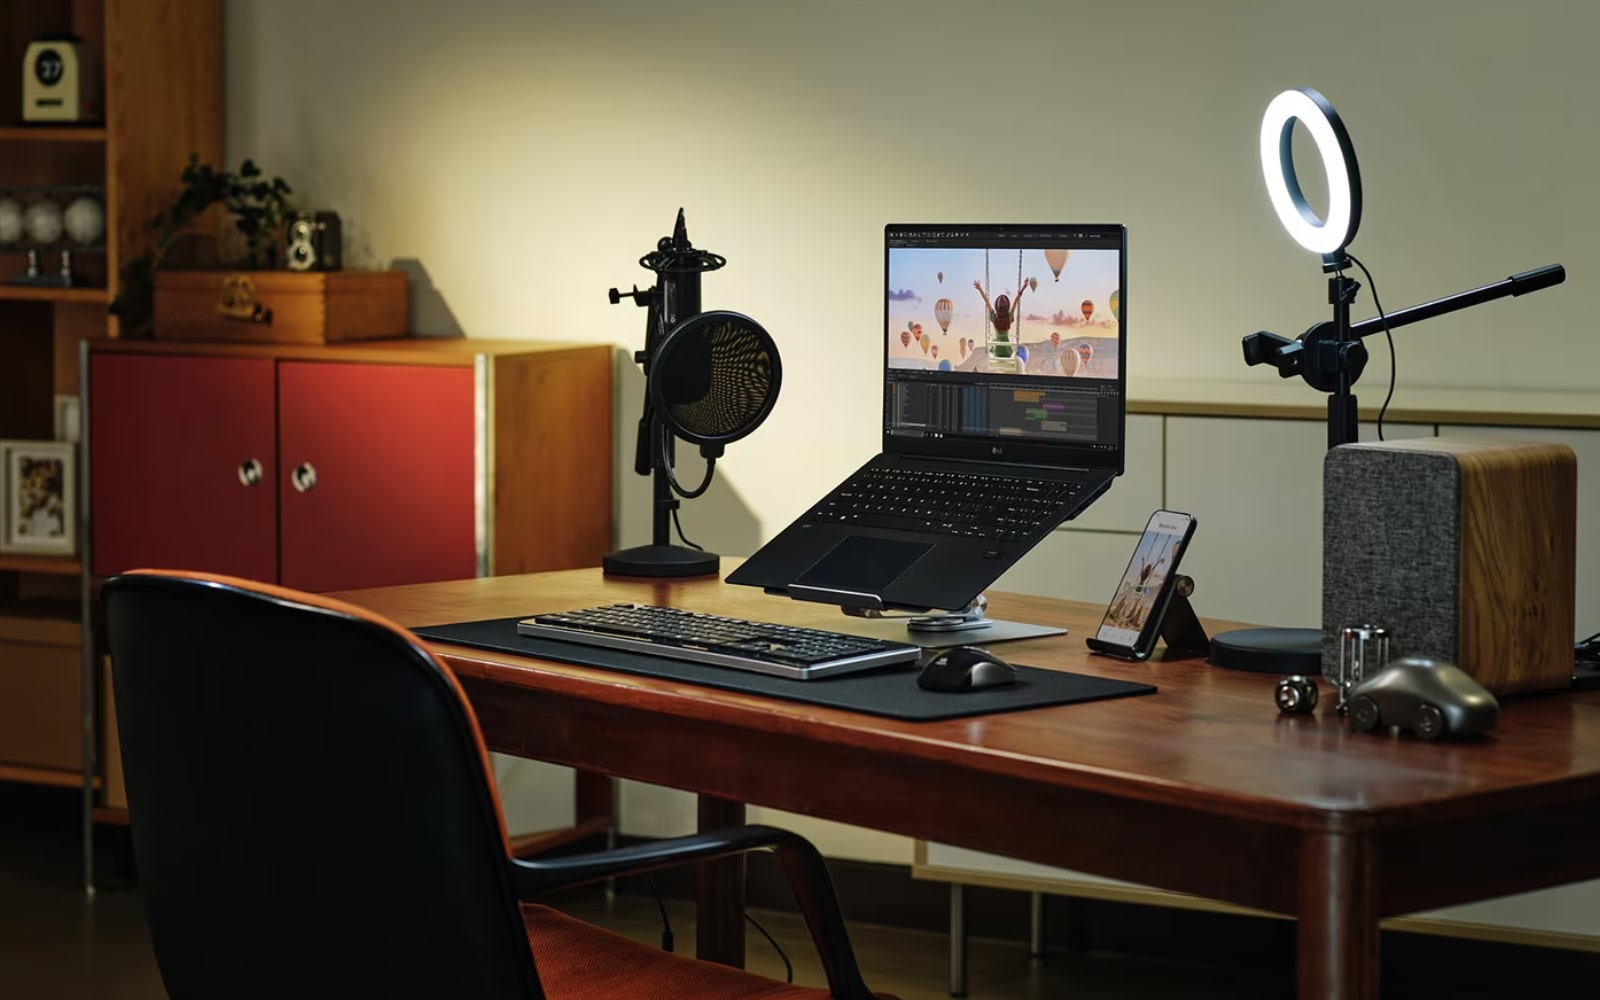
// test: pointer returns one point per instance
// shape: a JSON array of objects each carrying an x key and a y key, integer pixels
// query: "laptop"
[{"x": 1004, "y": 409}]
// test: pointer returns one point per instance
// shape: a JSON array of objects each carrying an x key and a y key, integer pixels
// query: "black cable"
[
  {"x": 1588, "y": 649},
  {"x": 666, "y": 464},
  {"x": 788, "y": 970},
  {"x": 1387, "y": 333},
  {"x": 681, "y": 538},
  {"x": 666, "y": 925}
]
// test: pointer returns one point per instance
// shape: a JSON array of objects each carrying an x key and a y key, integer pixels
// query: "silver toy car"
[{"x": 1429, "y": 697}]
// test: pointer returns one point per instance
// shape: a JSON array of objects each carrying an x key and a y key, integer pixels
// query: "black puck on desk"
[{"x": 1269, "y": 650}]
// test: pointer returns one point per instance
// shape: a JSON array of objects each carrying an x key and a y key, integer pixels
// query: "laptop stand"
[
  {"x": 970, "y": 617},
  {"x": 929, "y": 629}
]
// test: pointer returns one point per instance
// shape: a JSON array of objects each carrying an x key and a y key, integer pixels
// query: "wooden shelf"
[
  {"x": 54, "y": 565},
  {"x": 44, "y": 293},
  {"x": 44, "y": 776},
  {"x": 52, "y": 133},
  {"x": 113, "y": 815}
]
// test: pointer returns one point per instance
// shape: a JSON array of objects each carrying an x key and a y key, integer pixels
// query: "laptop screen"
[{"x": 1006, "y": 342}]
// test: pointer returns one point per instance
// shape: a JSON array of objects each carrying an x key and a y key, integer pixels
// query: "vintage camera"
[{"x": 312, "y": 241}]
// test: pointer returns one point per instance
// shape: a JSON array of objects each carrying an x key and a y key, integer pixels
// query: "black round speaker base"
[
  {"x": 661, "y": 560},
  {"x": 1269, "y": 650}
]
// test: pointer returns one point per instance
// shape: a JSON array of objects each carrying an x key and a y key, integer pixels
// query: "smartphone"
[{"x": 1132, "y": 623}]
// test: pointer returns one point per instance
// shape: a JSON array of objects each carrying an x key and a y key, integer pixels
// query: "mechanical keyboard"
[
  {"x": 997, "y": 508},
  {"x": 761, "y": 647}
]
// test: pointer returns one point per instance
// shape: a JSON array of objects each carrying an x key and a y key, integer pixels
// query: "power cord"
[
  {"x": 677, "y": 524},
  {"x": 666, "y": 930},
  {"x": 788, "y": 970},
  {"x": 666, "y": 924},
  {"x": 666, "y": 465},
  {"x": 1387, "y": 333}
]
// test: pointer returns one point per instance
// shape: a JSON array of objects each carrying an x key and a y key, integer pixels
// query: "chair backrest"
[{"x": 310, "y": 800}]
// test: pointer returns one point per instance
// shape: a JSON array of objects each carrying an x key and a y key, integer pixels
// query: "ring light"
[{"x": 1324, "y": 236}]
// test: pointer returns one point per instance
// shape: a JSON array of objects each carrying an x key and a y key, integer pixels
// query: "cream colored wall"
[{"x": 525, "y": 154}]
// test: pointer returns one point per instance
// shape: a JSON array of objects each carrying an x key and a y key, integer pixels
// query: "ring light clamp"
[{"x": 1324, "y": 236}]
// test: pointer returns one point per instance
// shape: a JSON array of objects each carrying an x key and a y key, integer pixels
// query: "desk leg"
[
  {"x": 958, "y": 939},
  {"x": 719, "y": 912},
  {"x": 1337, "y": 944}
]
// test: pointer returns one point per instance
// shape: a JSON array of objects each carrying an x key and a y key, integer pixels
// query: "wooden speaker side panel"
[{"x": 1519, "y": 513}]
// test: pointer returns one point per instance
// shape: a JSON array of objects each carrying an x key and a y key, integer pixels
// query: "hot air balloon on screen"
[
  {"x": 1057, "y": 259},
  {"x": 1033, "y": 284},
  {"x": 916, "y": 330},
  {"x": 941, "y": 277},
  {"x": 1116, "y": 304},
  {"x": 942, "y": 311},
  {"x": 1088, "y": 309},
  {"x": 1069, "y": 362},
  {"x": 926, "y": 343},
  {"x": 963, "y": 346},
  {"x": 905, "y": 338},
  {"x": 944, "y": 365},
  {"x": 1022, "y": 353},
  {"x": 1085, "y": 352},
  {"x": 935, "y": 351}
]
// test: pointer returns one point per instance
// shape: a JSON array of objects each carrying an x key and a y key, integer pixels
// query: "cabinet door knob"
[
  {"x": 304, "y": 477},
  {"x": 250, "y": 472}
]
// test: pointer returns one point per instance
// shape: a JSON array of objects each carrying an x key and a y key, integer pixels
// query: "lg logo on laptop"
[{"x": 997, "y": 450}]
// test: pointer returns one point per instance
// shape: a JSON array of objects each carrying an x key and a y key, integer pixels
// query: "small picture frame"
[
  {"x": 38, "y": 505},
  {"x": 69, "y": 419}
]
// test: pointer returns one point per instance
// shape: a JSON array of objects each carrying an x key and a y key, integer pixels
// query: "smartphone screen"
[{"x": 1141, "y": 594}]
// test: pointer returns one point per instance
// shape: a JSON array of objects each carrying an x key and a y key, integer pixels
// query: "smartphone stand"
[{"x": 1180, "y": 626}]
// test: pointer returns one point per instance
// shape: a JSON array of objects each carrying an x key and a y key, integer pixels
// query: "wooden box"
[
  {"x": 281, "y": 307},
  {"x": 1465, "y": 551}
]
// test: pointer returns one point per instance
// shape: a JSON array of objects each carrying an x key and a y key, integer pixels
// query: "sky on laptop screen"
[{"x": 1064, "y": 322}]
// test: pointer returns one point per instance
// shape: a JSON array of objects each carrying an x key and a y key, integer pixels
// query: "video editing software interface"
[{"x": 1006, "y": 332}]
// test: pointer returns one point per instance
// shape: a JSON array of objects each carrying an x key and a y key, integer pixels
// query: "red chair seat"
[{"x": 579, "y": 961}]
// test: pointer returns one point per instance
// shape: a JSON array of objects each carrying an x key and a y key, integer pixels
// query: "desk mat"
[{"x": 890, "y": 691}]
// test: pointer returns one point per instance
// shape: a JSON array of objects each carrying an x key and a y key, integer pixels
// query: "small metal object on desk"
[
  {"x": 1296, "y": 695},
  {"x": 1363, "y": 651}
]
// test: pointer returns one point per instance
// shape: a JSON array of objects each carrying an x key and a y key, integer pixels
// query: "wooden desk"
[{"x": 1202, "y": 788}]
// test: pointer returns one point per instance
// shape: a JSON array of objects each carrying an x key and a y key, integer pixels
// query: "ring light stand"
[{"x": 1330, "y": 356}]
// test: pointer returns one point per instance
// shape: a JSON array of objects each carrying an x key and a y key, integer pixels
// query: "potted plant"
[{"x": 255, "y": 207}]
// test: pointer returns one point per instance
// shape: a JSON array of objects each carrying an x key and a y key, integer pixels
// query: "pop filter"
[
  {"x": 710, "y": 378},
  {"x": 714, "y": 379}
]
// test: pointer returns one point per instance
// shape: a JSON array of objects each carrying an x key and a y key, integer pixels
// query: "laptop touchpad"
[{"x": 863, "y": 564}]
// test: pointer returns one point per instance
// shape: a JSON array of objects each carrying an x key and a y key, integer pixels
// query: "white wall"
[{"x": 526, "y": 153}]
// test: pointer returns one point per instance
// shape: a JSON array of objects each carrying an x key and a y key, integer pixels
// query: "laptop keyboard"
[
  {"x": 996, "y": 508},
  {"x": 761, "y": 647}
]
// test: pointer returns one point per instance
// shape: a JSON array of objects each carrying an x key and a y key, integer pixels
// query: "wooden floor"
[
  {"x": 56, "y": 944},
  {"x": 914, "y": 965}
]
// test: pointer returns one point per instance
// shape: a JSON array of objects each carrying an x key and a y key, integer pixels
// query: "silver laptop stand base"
[{"x": 970, "y": 617}]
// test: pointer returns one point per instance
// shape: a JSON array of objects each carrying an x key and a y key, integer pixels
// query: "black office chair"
[{"x": 313, "y": 816}]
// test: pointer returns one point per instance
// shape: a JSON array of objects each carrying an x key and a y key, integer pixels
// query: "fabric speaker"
[{"x": 1466, "y": 551}]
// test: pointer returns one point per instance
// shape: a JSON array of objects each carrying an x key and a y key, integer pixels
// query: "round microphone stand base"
[{"x": 660, "y": 561}]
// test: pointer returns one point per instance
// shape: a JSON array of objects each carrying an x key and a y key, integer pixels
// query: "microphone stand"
[
  {"x": 1330, "y": 356},
  {"x": 675, "y": 297}
]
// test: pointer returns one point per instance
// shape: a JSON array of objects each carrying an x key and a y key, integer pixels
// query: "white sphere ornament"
[
  {"x": 85, "y": 221},
  {"x": 43, "y": 220},
  {"x": 10, "y": 221}
]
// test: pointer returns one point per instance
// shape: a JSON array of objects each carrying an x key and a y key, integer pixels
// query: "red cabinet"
[
  {"x": 377, "y": 480},
  {"x": 185, "y": 461},
  {"x": 343, "y": 468}
]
